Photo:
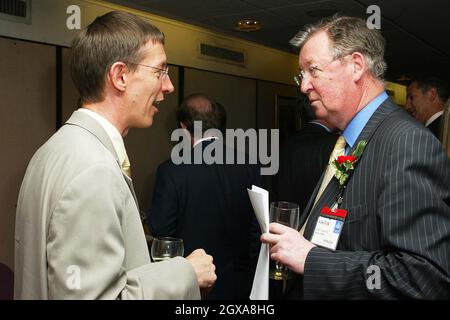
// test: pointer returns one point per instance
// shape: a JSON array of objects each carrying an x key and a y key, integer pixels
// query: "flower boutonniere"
[{"x": 345, "y": 165}]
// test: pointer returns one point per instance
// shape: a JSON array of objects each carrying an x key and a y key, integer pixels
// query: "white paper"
[{"x": 260, "y": 202}]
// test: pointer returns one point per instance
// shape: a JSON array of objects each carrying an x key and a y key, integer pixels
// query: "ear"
[
  {"x": 182, "y": 125},
  {"x": 432, "y": 94},
  {"x": 359, "y": 65},
  {"x": 117, "y": 75}
]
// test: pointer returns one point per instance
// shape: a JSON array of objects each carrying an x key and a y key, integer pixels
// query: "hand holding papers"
[{"x": 260, "y": 202}]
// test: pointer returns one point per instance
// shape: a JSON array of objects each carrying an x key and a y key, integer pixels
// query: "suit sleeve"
[
  {"x": 86, "y": 251},
  {"x": 413, "y": 222},
  {"x": 163, "y": 214}
]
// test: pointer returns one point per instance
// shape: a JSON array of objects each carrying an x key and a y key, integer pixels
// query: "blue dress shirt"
[{"x": 354, "y": 128}]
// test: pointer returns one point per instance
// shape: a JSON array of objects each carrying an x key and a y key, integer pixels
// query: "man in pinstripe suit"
[{"x": 395, "y": 241}]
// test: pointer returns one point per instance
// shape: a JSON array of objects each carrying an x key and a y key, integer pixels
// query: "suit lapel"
[
  {"x": 327, "y": 199},
  {"x": 130, "y": 185},
  {"x": 84, "y": 121},
  {"x": 332, "y": 190}
]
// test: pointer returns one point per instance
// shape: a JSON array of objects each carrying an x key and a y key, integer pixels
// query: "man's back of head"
[{"x": 201, "y": 107}]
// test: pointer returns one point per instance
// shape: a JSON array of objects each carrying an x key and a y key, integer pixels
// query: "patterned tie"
[
  {"x": 126, "y": 167},
  {"x": 339, "y": 150}
]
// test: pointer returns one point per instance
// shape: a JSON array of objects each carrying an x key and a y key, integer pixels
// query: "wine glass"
[
  {"x": 286, "y": 213},
  {"x": 164, "y": 248}
]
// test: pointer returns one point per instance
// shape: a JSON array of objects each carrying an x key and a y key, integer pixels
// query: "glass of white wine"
[
  {"x": 164, "y": 248},
  {"x": 286, "y": 213}
]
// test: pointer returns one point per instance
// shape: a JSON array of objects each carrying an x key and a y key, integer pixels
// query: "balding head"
[{"x": 200, "y": 107}]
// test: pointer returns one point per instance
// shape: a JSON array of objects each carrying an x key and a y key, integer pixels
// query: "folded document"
[{"x": 260, "y": 202}]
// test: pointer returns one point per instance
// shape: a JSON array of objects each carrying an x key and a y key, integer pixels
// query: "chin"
[
  {"x": 144, "y": 123},
  {"x": 148, "y": 123}
]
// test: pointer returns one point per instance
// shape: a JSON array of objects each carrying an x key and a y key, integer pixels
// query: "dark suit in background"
[
  {"x": 435, "y": 127},
  {"x": 208, "y": 206},
  {"x": 303, "y": 158}
]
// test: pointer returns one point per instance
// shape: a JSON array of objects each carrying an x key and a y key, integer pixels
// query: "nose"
[
  {"x": 167, "y": 86},
  {"x": 306, "y": 85},
  {"x": 408, "y": 106}
]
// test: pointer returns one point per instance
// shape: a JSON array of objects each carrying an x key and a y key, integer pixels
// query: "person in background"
[
  {"x": 78, "y": 230},
  {"x": 426, "y": 98},
  {"x": 391, "y": 234},
  {"x": 207, "y": 205}
]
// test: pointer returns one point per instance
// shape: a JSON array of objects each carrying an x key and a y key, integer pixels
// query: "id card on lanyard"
[{"x": 329, "y": 228}]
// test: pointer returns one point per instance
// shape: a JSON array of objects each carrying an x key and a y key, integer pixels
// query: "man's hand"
[
  {"x": 287, "y": 246},
  {"x": 204, "y": 269}
]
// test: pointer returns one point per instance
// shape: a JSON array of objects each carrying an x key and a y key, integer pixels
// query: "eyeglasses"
[
  {"x": 162, "y": 73},
  {"x": 313, "y": 71}
]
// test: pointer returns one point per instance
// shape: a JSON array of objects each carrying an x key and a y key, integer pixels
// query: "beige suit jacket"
[{"x": 78, "y": 230}]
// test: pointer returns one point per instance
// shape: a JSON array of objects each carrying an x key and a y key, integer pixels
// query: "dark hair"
[
  {"x": 425, "y": 83},
  {"x": 200, "y": 107},
  {"x": 348, "y": 35},
  {"x": 115, "y": 36}
]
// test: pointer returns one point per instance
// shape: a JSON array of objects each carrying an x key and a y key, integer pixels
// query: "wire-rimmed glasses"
[
  {"x": 314, "y": 71},
  {"x": 162, "y": 73}
]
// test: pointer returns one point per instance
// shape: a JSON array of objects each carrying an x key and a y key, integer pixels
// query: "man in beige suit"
[{"x": 78, "y": 230}]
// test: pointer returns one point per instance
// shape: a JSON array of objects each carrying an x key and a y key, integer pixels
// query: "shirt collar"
[
  {"x": 354, "y": 128},
  {"x": 209, "y": 138},
  {"x": 320, "y": 124},
  {"x": 433, "y": 117},
  {"x": 111, "y": 131}
]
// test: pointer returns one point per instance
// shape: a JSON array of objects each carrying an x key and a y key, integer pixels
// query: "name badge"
[{"x": 328, "y": 228}]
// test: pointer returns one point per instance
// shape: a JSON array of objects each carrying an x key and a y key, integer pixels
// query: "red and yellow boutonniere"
[{"x": 345, "y": 165}]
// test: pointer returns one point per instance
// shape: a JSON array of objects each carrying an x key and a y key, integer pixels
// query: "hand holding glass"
[
  {"x": 286, "y": 213},
  {"x": 164, "y": 248}
]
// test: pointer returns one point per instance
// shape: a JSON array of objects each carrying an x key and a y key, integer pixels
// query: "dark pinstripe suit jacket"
[{"x": 398, "y": 203}]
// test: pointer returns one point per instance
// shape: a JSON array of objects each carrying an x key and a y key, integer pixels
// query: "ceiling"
[{"x": 416, "y": 31}]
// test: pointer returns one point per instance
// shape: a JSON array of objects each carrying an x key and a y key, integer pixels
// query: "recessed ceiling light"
[
  {"x": 248, "y": 25},
  {"x": 321, "y": 13}
]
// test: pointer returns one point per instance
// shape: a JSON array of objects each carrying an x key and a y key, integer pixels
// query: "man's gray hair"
[{"x": 348, "y": 35}]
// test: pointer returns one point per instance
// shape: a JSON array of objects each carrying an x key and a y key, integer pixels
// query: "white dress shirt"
[
  {"x": 433, "y": 117},
  {"x": 111, "y": 131}
]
